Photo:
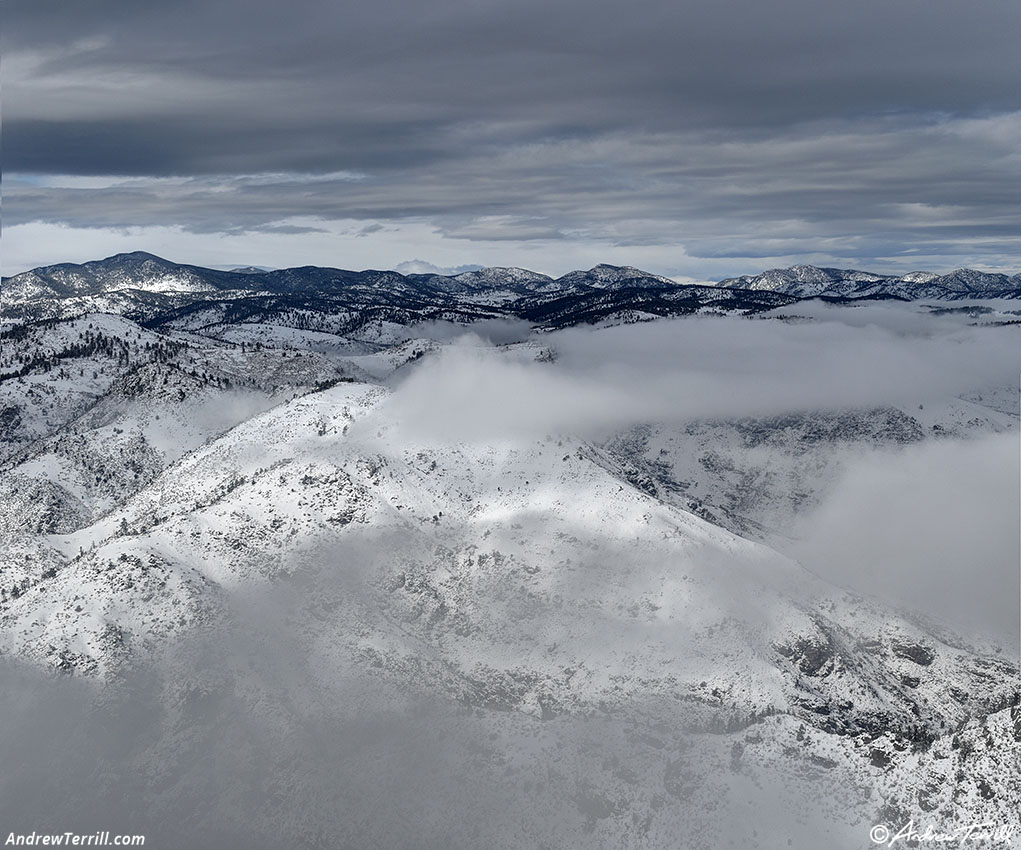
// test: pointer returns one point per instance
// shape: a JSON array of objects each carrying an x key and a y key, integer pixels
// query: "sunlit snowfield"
[{"x": 699, "y": 582}]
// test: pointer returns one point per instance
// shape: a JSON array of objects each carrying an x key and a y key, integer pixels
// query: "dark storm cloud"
[
  {"x": 671, "y": 65},
  {"x": 203, "y": 144},
  {"x": 767, "y": 125},
  {"x": 853, "y": 192}
]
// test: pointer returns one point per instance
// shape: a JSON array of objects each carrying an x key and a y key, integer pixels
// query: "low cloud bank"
[
  {"x": 933, "y": 529},
  {"x": 492, "y": 331},
  {"x": 252, "y": 734},
  {"x": 686, "y": 369}
]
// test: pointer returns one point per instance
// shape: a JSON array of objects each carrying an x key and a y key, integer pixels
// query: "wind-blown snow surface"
[{"x": 490, "y": 596}]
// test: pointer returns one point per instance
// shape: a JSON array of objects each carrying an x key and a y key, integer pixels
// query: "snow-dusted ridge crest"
[
  {"x": 157, "y": 291},
  {"x": 803, "y": 281}
]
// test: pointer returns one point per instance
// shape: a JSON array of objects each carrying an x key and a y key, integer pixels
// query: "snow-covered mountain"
[
  {"x": 811, "y": 282},
  {"x": 370, "y": 304},
  {"x": 294, "y": 599},
  {"x": 522, "y": 578}
]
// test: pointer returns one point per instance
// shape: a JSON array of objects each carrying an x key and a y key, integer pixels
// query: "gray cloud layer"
[
  {"x": 728, "y": 130},
  {"x": 932, "y": 528}
]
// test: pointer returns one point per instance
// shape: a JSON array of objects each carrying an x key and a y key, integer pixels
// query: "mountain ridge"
[
  {"x": 801, "y": 280},
  {"x": 374, "y": 304},
  {"x": 806, "y": 281}
]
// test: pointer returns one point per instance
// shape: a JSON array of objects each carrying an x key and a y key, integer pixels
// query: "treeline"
[{"x": 90, "y": 344}]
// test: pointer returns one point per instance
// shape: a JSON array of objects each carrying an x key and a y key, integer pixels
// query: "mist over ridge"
[{"x": 366, "y": 559}]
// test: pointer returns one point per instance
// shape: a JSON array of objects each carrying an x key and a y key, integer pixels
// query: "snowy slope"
[
  {"x": 757, "y": 476},
  {"x": 524, "y": 581}
]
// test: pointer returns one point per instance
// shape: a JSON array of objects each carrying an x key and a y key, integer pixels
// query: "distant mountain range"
[
  {"x": 157, "y": 292},
  {"x": 813, "y": 282}
]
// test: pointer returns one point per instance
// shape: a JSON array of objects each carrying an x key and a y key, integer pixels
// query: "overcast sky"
[{"x": 698, "y": 139}]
